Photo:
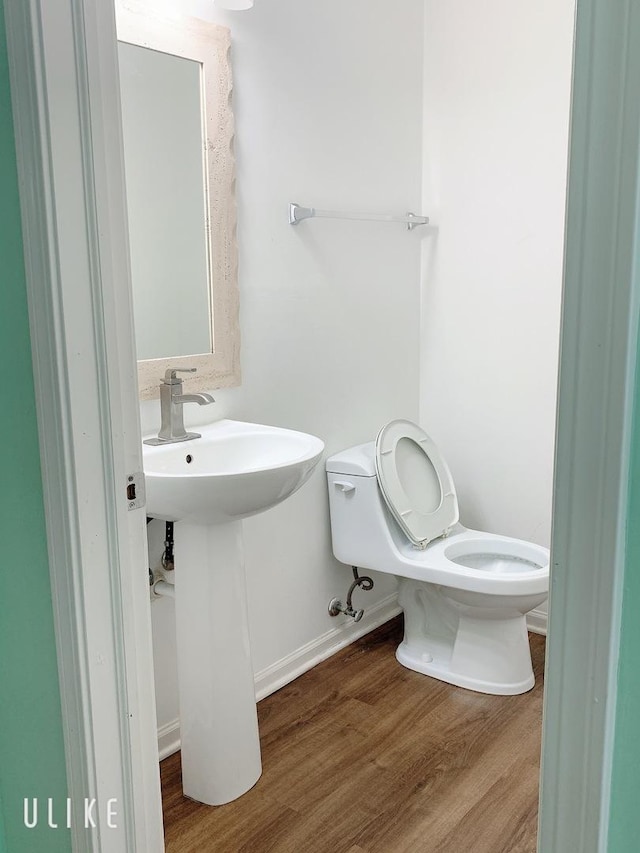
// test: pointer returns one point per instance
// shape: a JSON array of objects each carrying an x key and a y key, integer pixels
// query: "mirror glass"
[
  {"x": 177, "y": 126},
  {"x": 166, "y": 199}
]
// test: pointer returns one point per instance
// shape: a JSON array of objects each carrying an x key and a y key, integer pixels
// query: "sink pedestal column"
[{"x": 218, "y": 717}]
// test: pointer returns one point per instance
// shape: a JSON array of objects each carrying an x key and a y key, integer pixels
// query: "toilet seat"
[{"x": 415, "y": 482}]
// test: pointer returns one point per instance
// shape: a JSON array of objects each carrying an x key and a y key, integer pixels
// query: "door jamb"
[
  {"x": 65, "y": 93},
  {"x": 601, "y": 302}
]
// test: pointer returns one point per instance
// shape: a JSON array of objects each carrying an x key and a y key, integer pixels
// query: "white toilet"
[{"x": 464, "y": 593}]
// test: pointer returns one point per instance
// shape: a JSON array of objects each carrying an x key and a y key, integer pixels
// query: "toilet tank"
[{"x": 360, "y": 523}]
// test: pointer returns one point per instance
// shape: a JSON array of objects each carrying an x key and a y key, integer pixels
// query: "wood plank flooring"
[{"x": 361, "y": 755}]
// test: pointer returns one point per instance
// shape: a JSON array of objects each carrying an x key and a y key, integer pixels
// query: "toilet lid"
[{"x": 415, "y": 482}]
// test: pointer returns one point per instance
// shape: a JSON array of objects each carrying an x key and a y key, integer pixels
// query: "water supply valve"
[{"x": 336, "y": 606}]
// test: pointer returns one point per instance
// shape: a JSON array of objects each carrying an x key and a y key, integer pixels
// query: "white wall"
[
  {"x": 328, "y": 105},
  {"x": 496, "y": 111}
]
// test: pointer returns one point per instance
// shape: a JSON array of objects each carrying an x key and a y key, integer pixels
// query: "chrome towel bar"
[{"x": 297, "y": 213}]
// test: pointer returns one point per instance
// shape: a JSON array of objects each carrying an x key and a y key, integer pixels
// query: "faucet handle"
[{"x": 170, "y": 377}]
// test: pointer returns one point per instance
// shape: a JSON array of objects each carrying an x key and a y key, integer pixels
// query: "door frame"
[
  {"x": 66, "y": 106},
  {"x": 65, "y": 94},
  {"x": 599, "y": 342}
]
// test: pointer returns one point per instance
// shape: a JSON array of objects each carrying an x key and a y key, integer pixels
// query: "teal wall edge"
[{"x": 31, "y": 738}]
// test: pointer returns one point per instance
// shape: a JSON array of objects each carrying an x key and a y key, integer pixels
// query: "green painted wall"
[
  {"x": 624, "y": 828},
  {"x": 31, "y": 747}
]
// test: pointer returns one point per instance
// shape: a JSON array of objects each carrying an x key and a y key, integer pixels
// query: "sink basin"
[{"x": 235, "y": 470}]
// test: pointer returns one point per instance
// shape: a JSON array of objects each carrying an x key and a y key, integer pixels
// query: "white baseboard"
[
  {"x": 537, "y": 622},
  {"x": 288, "y": 668},
  {"x": 168, "y": 739}
]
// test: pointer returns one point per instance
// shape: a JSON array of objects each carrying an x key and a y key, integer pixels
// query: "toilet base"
[
  {"x": 485, "y": 649},
  {"x": 440, "y": 668}
]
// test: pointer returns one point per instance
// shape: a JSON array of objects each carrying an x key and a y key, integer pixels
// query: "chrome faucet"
[{"x": 171, "y": 402}]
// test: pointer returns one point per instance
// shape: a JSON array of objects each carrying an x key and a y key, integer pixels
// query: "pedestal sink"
[{"x": 208, "y": 486}]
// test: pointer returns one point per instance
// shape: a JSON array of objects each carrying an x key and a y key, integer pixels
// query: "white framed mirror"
[{"x": 175, "y": 86}]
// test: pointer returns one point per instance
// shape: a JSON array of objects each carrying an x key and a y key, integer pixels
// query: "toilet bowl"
[{"x": 465, "y": 593}]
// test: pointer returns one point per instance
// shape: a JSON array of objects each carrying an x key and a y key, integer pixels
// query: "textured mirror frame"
[{"x": 209, "y": 44}]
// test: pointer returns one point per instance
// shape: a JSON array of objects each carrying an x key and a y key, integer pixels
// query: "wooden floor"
[{"x": 361, "y": 755}]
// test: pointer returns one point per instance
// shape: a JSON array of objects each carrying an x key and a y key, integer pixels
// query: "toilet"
[{"x": 465, "y": 593}]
